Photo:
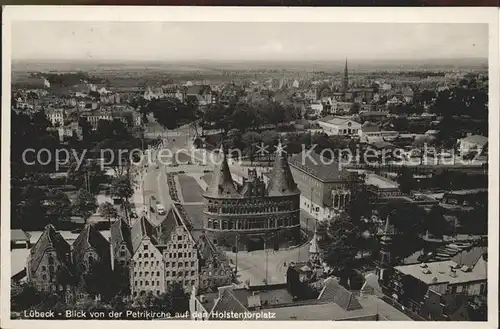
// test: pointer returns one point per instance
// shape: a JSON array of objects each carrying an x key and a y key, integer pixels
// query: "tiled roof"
[
  {"x": 334, "y": 292},
  {"x": 281, "y": 180},
  {"x": 141, "y": 228},
  {"x": 90, "y": 237},
  {"x": 168, "y": 225},
  {"x": 229, "y": 303},
  {"x": 48, "y": 240},
  {"x": 120, "y": 232},
  {"x": 315, "y": 167}
]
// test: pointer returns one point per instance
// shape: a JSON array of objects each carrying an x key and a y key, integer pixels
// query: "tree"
[
  {"x": 359, "y": 207},
  {"x": 85, "y": 204},
  {"x": 108, "y": 211},
  {"x": 435, "y": 223},
  {"x": 341, "y": 245},
  {"x": 26, "y": 297},
  {"x": 405, "y": 180},
  {"x": 122, "y": 189},
  {"x": 58, "y": 204},
  {"x": 234, "y": 137}
]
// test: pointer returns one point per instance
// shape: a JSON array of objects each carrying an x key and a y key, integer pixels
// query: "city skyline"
[{"x": 202, "y": 41}]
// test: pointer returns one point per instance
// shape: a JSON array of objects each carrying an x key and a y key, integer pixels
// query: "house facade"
[{"x": 339, "y": 126}]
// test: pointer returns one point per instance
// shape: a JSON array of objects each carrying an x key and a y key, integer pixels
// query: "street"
[{"x": 251, "y": 265}]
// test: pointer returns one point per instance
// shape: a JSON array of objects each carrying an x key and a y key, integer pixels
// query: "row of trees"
[
  {"x": 35, "y": 200},
  {"x": 248, "y": 116}
]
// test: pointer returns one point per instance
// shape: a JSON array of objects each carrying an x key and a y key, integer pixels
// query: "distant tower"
[
  {"x": 346, "y": 78},
  {"x": 385, "y": 253}
]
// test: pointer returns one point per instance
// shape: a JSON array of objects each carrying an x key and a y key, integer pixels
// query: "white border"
[{"x": 252, "y": 14}]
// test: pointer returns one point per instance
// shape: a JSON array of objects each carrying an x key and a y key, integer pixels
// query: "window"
[
  {"x": 140, "y": 283},
  {"x": 158, "y": 273},
  {"x": 179, "y": 245},
  {"x": 44, "y": 268},
  {"x": 189, "y": 254},
  {"x": 168, "y": 273},
  {"x": 192, "y": 264},
  {"x": 146, "y": 273},
  {"x": 185, "y": 245},
  {"x": 146, "y": 264},
  {"x": 122, "y": 254},
  {"x": 179, "y": 237},
  {"x": 186, "y": 264},
  {"x": 139, "y": 255},
  {"x": 186, "y": 273},
  {"x": 146, "y": 283},
  {"x": 145, "y": 247},
  {"x": 179, "y": 255},
  {"x": 151, "y": 255},
  {"x": 140, "y": 273},
  {"x": 179, "y": 274},
  {"x": 173, "y": 273},
  {"x": 157, "y": 283},
  {"x": 135, "y": 283},
  {"x": 152, "y": 282},
  {"x": 192, "y": 282},
  {"x": 173, "y": 264},
  {"x": 180, "y": 264},
  {"x": 167, "y": 264},
  {"x": 170, "y": 255},
  {"x": 157, "y": 263},
  {"x": 44, "y": 277},
  {"x": 192, "y": 273},
  {"x": 135, "y": 273}
]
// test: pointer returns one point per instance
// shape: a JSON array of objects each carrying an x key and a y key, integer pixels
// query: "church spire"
[
  {"x": 385, "y": 252},
  {"x": 281, "y": 180},
  {"x": 222, "y": 184},
  {"x": 346, "y": 78}
]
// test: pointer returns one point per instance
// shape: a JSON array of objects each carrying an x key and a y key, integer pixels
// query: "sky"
[{"x": 191, "y": 41}]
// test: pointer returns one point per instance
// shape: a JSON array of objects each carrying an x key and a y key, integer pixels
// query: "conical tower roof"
[
  {"x": 281, "y": 180},
  {"x": 222, "y": 184},
  {"x": 387, "y": 232}
]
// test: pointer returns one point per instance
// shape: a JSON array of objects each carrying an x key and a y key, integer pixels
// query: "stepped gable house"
[
  {"x": 162, "y": 255},
  {"x": 253, "y": 216}
]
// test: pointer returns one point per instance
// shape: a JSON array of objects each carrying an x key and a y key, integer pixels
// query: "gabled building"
[
  {"x": 147, "y": 268},
  {"x": 91, "y": 249},
  {"x": 179, "y": 251},
  {"x": 162, "y": 255},
  {"x": 49, "y": 257},
  {"x": 121, "y": 243},
  {"x": 215, "y": 270}
]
